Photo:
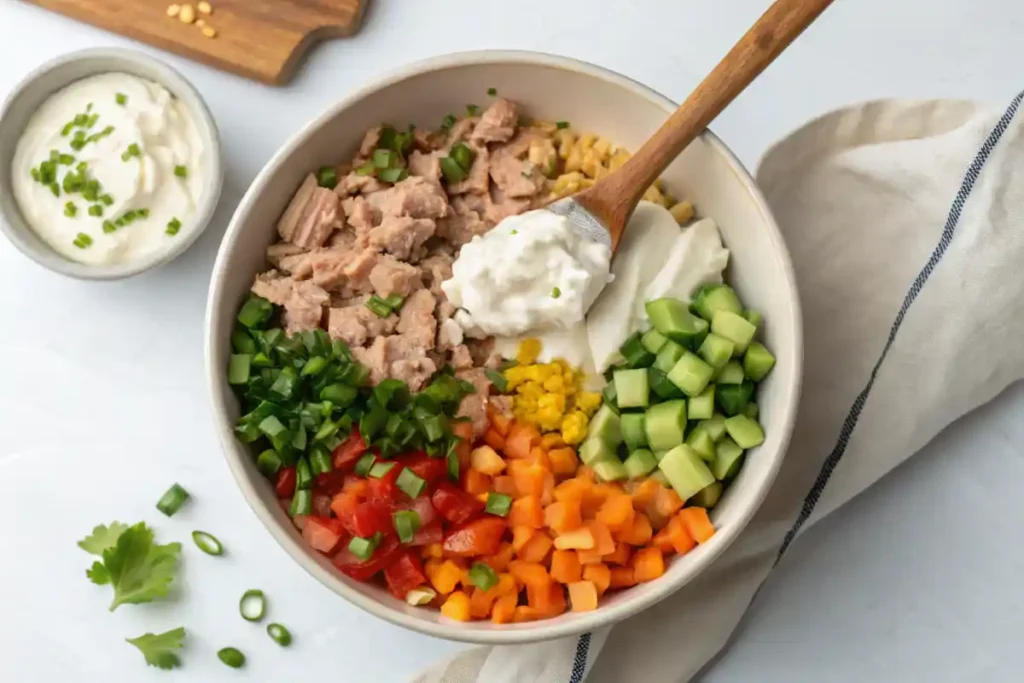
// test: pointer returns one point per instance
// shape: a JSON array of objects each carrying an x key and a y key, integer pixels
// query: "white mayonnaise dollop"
[
  {"x": 532, "y": 272},
  {"x": 139, "y": 159}
]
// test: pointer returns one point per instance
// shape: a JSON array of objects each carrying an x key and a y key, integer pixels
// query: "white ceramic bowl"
[
  {"x": 36, "y": 88},
  {"x": 593, "y": 99}
]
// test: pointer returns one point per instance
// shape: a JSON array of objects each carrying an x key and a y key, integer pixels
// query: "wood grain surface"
[{"x": 260, "y": 39}]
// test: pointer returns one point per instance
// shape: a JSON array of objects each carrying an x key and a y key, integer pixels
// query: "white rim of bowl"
[
  {"x": 464, "y": 632},
  {"x": 171, "y": 79}
]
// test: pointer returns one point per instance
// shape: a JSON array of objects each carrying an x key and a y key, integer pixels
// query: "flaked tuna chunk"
[
  {"x": 299, "y": 266},
  {"x": 478, "y": 181},
  {"x": 462, "y": 129},
  {"x": 311, "y": 216},
  {"x": 416, "y": 321},
  {"x": 358, "y": 214},
  {"x": 436, "y": 269},
  {"x": 275, "y": 252},
  {"x": 497, "y": 123},
  {"x": 395, "y": 357},
  {"x": 483, "y": 352},
  {"x": 515, "y": 177},
  {"x": 466, "y": 220},
  {"x": 461, "y": 358},
  {"x": 500, "y": 206},
  {"x": 356, "y": 324},
  {"x": 414, "y": 196},
  {"x": 427, "y": 141},
  {"x": 390, "y": 276},
  {"x": 344, "y": 239},
  {"x": 502, "y": 404},
  {"x": 359, "y": 269},
  {"x": 401, "y": 236},
  {"x": 474, "y": 406},
  {"x": 370, "y": 140},
  {"x": 519, "y": 145},
  {"x": 426, "y": 165},
  {"x": 303, "y": 301},
  {"x": 354, "y": 183}
]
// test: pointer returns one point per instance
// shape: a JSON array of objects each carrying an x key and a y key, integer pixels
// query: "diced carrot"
[
  {"x": 447, "y": 576},
  {"x": 494, "y": 440},
  {"x": 603, "y": 541},
  {"x": 539, "y": 456},
  {"x": 536, "y": 549},
  {"x": 682, "y": 541},
  {"x": 527, "y": 613},
  {"x": 594, "y": 499},
  {"x": 648, "y": 564},
  {"x": 504, "y": 484},
  {"x": 463, "y": 430},
  {"x": 638, "y": 533},
  {"x": 667, "y": 502},
  {"x": 485, "y": 459},
  {"x": 548, "y": 490},
  {"x": 565, "y": 566},
  {"x": 583, "y": 596},
  {"x": 433, "y": 550},
  {"x": 526, "y": 511},
  {"x": 576, "y": 539},
  {"x": 499, "y": 560},
  {"x": 504, "y": 609},
  {"x": 563, "y": 516},
  {"x": 563, "y": 461},
  {"x": 520, "y": 536},
  {"x": 476, "y": 482},
  {"x": 572, "y": 489},
  {"x": 663, "y": 542},
  {"x": 621, "y": 577},
  {"x": 500, "y": 422},
  {"x": 621, "y": 555},
  {"x": 520, "y": 440},
  {"x": 430, "y": 567},
  {"x": 598, "y": 574},
  {"x": 697, "y": 523},
  {"x": 644, "y": 493},
  {"x": 529, "y": 479},
  {"x": 529, "y": 573},
  {"x": 586, "y": 473},
  {"x": 616, "y": 512},
  {"x": 556, "y": 603},
  {"x": 456, "y": 606},
  {"x": 589, "y": 556},
  {"x": 552, "y": 440},
  {"x": 481, "y": 602}
]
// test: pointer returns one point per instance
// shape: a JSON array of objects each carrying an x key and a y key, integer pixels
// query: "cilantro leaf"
[
  {"x": 159, "y": 649},
  {"x": 102, "y": 537},
  {"x": 98, "y": 574}
]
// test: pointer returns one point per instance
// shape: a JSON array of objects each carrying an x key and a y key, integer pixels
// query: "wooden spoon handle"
[{"x": 614, "y": 197}]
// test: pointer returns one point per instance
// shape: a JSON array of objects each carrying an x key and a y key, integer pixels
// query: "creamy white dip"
[{"x": 135, "y": 161}]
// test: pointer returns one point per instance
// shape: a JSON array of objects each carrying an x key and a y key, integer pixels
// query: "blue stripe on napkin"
[{"x": 579, "y": 662}]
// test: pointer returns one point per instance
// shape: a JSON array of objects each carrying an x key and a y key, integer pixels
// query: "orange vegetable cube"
[
  {"x": 565, "y": 566},
  {"x": 447, "y": 576},
  {"x": 563, "y": 461},
  {"x": 682, "y": 541},
  {"x": 554, "y": 603},
  {"x": 697, "y": 523},
  {"x": 495, "y": 440},
  {"x": 552, "y": 440},
  {"x": 603, "y": 541},
  {"x": 526, "y": 511},
  {"x": 529, "y": 479},
  {"x": 576, "y": 539},
  {"x": 563, "y": 516},
  {"x": 520, "y": 440},
  {"x": 476, "y": 482},
  {"x": 433, "y": 550},
  {"x": 485, "y": 459},
  {"x": 529, "y": 573},
  {"x": 598, "y": 574},
  {"x": 536, "y": 549},
  {"x": 548, "y": 489},
  {"x": 504, "y": 609},
  {"x": 527, "y": 613},
  {"x": 499, "y": 560},
  {"x": 638, "y": 533},
  {"x": 594, "y": 499},
  {"x": 463, "y": 430},
  {"x": 667, "y": 502},
  {"x": 572, "y": 490},
  {"x": 589, "y": 556},
  {"x": 616, "y": 511},
  {"x": 621, "y": 555},
  {"x": 500, "y": 422},
  {"x": 520, "y": 536},
  {"x": 504, "y": 484},
  {"x": 644, "y": 493},
  {"x": 648, "y": 564},
  {"x": 586, "y": 473},
  {"x": 431, "y": 566},
  {"x": 621, "y": 577},
  {"x": 481, "y": 602},
  {"x": 456, "y": 606},
  {"x": 539, "y": 456},
  {"x": 583, "y": 596}
]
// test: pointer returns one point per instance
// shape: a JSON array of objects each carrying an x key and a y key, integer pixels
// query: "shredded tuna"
[
  {"x": 393, "y": 356},
  {"x": 358, "y": 183},
  {"x": 428, "y": 141},
  {"x": 370, "y": 140},
  {"x": 426, "y": 165},
  {"x": 390, "y": 276},
  {"x": 356, "y": 324},
  {"x": 416, "y": 320},
  {"x": 461, "y": 358},
  {"x": 401, "y": 236},
  {"x": 303, "y": 301},
  {"x": 436, "y": 269},
  {"x": 497, "y": 123},
  {"x": 478, "y": 181},
  {"x": 414, "y": 196},
  {"x": 462, "y": 129},
  {"x": 516, "y": 178},
  {"x": 474, "y": 406},
  {"x": 311, "y": 216},
  {"x": 358, "y": 214},
  {"x": 500, "y": 206}
]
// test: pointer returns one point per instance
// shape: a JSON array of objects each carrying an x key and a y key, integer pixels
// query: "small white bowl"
[
  {"x": 592, "y": 99},
  {"x": 36, "y": 88}
]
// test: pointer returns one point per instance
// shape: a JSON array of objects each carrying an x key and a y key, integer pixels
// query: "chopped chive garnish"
[
  {"x": 172, "y": 500},
  {"x": 253, "y": 605},
  {"x": 80, "y": 120},
  {"x": 497, "y": 379},
  {"x": 55, "y": 189},
  {"x": 88, "y": 108},
  {"x": 492, "y": 91},
  {"x": 513, "y": 231},
  {"x": 81, "y": 167},
  {"x": 379, "y": 307},
  {"x": 181, "y": 171},
  {"x": 452, "y": 458},
  {"x": 77, "y": 145},
  {"x": 393, "y": 175},
  {"x": 410, "y": 483},
  {"x": 362, "y": 547},
  {"x": 54, "y": 155},
  {"x": 303, "y": 474},
  {"x": 173, "y": 226},
  {"x": 302, "y": 503},
  {"x": 472, "y": 109},
  {"x": 482, "y": 576},
  {"x": 70, "y": 210},
  {"x": 447, "y": 122},
  {"x": 142, "y": 213},
  {"x": 65, "y": 159},
  {"x": 132, "y": 151},
  {"x": 106, "y": 199},
  {"x": 269, "y": 462},
  {"x": 109, "y": 227},
  {"x": 231, "y": 656},
  {"x": 394, "y": 301},
  {"x": 91, "y": 121},
  {"x": 366, "y": 169},
  {"x": 66, "y": 130},
  {"x": 380, "y": 469},
  {"x": 560, "y": 125},
  {"x": 36, "y": 175},
  {"x": 208, "y": 543},
  {"x": 498, "y": 504},
  {"x": 364, "y": 464},
  {"x": 82, "y": 240},
  {"x": 121, "y": 98},
  {"x": 453, "y": 172},
  {"x": 280, "y": 634},
  {"x": 407, "y": 523},
  {"x": 555, "y": 292},
  {"x": 327, "y": 177},
  {"x": 96, "y": 210}
]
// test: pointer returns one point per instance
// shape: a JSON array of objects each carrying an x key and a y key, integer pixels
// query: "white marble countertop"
[{"x": 103, "y": 404}]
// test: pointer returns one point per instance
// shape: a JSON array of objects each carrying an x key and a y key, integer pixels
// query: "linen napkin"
[{"x": 905, "y": 227}]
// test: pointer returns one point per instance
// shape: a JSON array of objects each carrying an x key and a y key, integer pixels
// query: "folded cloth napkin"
[{"x": 905, "y": 226}]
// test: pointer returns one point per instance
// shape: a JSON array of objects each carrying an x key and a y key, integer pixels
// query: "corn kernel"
[
  {"x": 618, "y": 160},
  {"x": 204, "y": 7},
  {"x": 603, "y": 148},
  {"x": 574, "y": 162},
  {"x": 682, "y": 212},
  {"x": 187, "y": 14},
  {"x": 528, "y": 351},
  {"x": 586, "y": 141},
  {"x": 173, "y": 10},
  {"x": 653, "y": 194}
]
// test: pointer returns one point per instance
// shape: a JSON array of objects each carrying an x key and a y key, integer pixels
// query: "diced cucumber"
[
  {"x": 758, "y": 361},
  {"x": 733, "y": 398},
  {"x": 605, "y": 426},
  {"x": 732, "y": 373},
  {"x": 685, "y": 471},
  {"x": 701, "y": 441},
  {"x": 745, "y": 432},
  {"x": 703, "y": 406},
  {"x": 691, "y": 374},
  {"x": 668, "y": 356},
  {"x": 658, "y": 455},
  {"x": 635, "y": 354},
  {"x": 609, "y": 470},
  {"x": 596, "y": 450},
  {"x": 665, "y": 425},
  {"x": 716, "y": 350},
  {"x": 716, "y": 298},
  {"x": 735, "y": 328},
  {"x": 708, "y": 496},
  {"x": 751, "y": 410},
  {"x": 609, "y": 395},
  {"x": 631, "y": 388},
  {"x": 659, "y": 476},
  {"x": 670, "y": 317},
  {"x": 715, "y": 426},
  {"x": 640, "y": 462},
  {"x": 753, "y": 317},
  {"x": 633, "y": 432},
  {"x": 660, "y": 385},
  {"x": 653, "y": 340},
  {"x": 728, "y": 459}
]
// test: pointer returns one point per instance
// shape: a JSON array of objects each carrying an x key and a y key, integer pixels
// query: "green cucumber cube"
[
  {"x": 713, "y": 298},
  {"x": 640, "y": 463},
  {"x": 728, "y": 459},
  {"x": 702, "y": 407},
  {"x": 605, "y": 426},
  {"x": 701, "y": 441},
  {"x": 708, "y": 496},
  {"x": 634, "y": 433},
  {"x": 747, "y": 433},
  {"x": 691, "y": 374},
  {"x": 671, "y": 318},
  {"x": 653, "y": 340},
  {"x": 716, "y": 350},
  {"x": 610, "y": 470},
  {"x": 665, "y": 424},
  {"x": 596, "y": 450},
  {"x": 631, "y": 388},
  {"x": 733, "y": 398},
  {"x": 735, "y": 328},
  {"x": 668, "y": 356},
  {"x": 731, "y": 373},
  {"x": 758, "y": 361},
  {"x": 715, "y": 426},
  {"x": 685, "y": 471}
]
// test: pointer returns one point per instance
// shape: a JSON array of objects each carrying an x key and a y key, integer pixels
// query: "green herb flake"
[
  {"x": 80, "y": 120},
  {"x": 142, "y": 213},
  {"x": 70, "y": 210},
  {"x": 109, "y": 227},
  {"x": 121, "y": 98},
  {"x": 181, "y": 171},
  {"x": 447, "y": 122},
  {"x": 555, "y": 293},
  {"x": 96, "y": 210},
  {"x": 492, "y": 91},
  {"x": 82, "y": 240},
  {"x": 91, "y": 121},
  {"x": 136, "y": 568},
  {"x": 160, "y": 649},
  {"x": 561, "y": 125},
  {"x": 55, "y": 189},
  {"x": 66, "y": 130},
  {"x": 513, "y": 231},
  {"x": 472, "y": 109},
  {"x": 173, "y": 226},
  {"x": 106, "y": 199},
  {"x": 65, "y": 159}
]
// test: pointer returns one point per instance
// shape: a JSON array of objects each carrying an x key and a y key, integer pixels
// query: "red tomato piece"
[
  {"x": 432, "y": 470},
  {"x": 454, "y": 504},
  {"x": 356, "y": 485},
  {"x": 479, "y": 537},
  {"x": 404, "y": 574},
  {"x": 329, "y": 482},
  {"x": 422, "y": 507},
  {"x": 285, "y": 484},
  {"x": 349, "y": 450},
  {"x": 363, "y": 570},
  {"x": 370, "y": 517},
  {"x": 322, "y": 533},
  {"x": 321, "y": 505},
  {"x": 385, "y": 488},
  {"x": 430, "y": 533}
]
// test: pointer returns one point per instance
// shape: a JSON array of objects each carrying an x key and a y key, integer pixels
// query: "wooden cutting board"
[{"x": 260, "y": 39}]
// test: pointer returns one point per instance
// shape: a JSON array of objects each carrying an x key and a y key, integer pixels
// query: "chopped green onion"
[
  {"x": 303, "y": 475},
  {"x": 91, "y": 121},
  {"x": 555, "y": 292},
  {"x": 362, "y": 547},
  {"x": 314, "y": 366},
  {"x": 66, "y": 130},
  {"x": 507, "y": 363},
  {"x": 560, "y": 125},
  {"x": 393, "y": 175},
  {"x": 173, "y": 226},
  {"x": 432, "y": 426},
  {"x": 463, "y": 155},
  {"x": 55, "y": 189},
  {"x": 452, "y": 458},
  {"x": 65, "y": 159},
  {"x": 394, "y": 301},
  {"x": 410, "y": 483},
  {"x": 80, "y": 119},
  {"x": 497, "y": 379},
  {"x": 513, "y": 231},
  {"x": 341, "y": 394},
  {"x": 366, "y": 169},
  {"x": 268, "y": 462},
  {"x": 132, "y": 151},
  {"x": 389, "y": 389},
  {"x": 319, "y": 460},
  {"x": 380, "y": 469},
  {"x": 302, "y": 503},
  {"x": 327, "y": 177},
  {"x": 70, "y": 210},
  {"x": 109, "y": 227},
  {"x": 420, "y": 596},
  {"x": 82, "y": 240},
  {"x": 384, "y": 158},
  {"x": 253, "y": 605},
  {"x": 364, "y": 464},
  {"x": 279, "y": 634},
  {"x": 121, "y": 98},
  {"x": 498, "y": 504},
  {"x": 472, "y": 109},
  {"x": 172, "y": 500},
  {"x": 492, "y": 91},
  {"x": 106, "y": 199},
  {"x": 447, "y": 122},
  {"x": 208, "y": 543},
  {"x": 141, "y": 213},
  {"x": 482, "y": 576},
  {"x": 407, "y": 523},
  {"x": 231, "y": 656},
  {"x": 96, "y": 210},
  {"x": 379, "y": 307},
  {"x": 238, "y": 368},
  {"x": 452, "y": 171},
  {"x": 181, "y": 171}
]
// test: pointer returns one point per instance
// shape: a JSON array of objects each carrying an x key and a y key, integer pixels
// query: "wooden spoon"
[{"x": 611, "y": 201}]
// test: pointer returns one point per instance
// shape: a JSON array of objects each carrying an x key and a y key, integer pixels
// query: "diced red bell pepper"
[
  {"x": 423, "y": 508},
  {"x": 427, "y": 534},
  {"x": 356, "y": 485},
  {"x": 432, "y": 470},
  {"x": 344, "y": 507},
  {"x": 329, "y": 482},
  {"x": 284, "y": 487},
  {"x": 479, "y": 537},
  {"x": 404, "y": 574},
  {"x": 321, "y": 505},
  {"x": 371, "y": 517},
  {"x": 385, "y": 488},
  {"x": 322, "y": 533},
  {"x": 363, "y": 570},
  {"x": 349, "y": 450},
  {"x": 454, "y": 504}
]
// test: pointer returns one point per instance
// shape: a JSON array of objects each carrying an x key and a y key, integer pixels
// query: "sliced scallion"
[
  {"x": 303, "y": 474},
  {"x": 384, "y": 158},
  {"x": 472, "y": 109},
  {"x": 268, "y": 462},
  {"x": 319, "y": 460},
  {"x": 253, "y": 605},
  {"x": 482, "y": 576},
  {"x": 555, "y": 292},
  {"x": 407, "y": 523},
  {"x": 497, "y": 379},
  {"x": 447, "y": 122},
  {"x": 364, "y": 464},
  {"x": 172, "y": 500},
  {"x": 393, "y": 175},
  {"x": 327, "y": 177},
  {"x": 366, "y": 169},
  {"x": 492, "y": 91},
  {"x": 560, "y": 125},
  {"x": 498, "y": 504},
  {"x": 463, "y": 155},
  {"x": 420, "y": 596},
  {"x": 453, "y": 172},
  {"x": 394, "y": 301},
  {"x": 121, "y": 98},
  {"x": 181, "y": 171},
  {"x": 255, "y": 312},
  {"x": 378, "y": 306},
  {"x": 70, "y": 210},
  {"x": 410, "y": 483},
  {"x": 231, "y": 656},
  {"x": 279, "y": 634},
  {"x": 302, "y": 503},
  {"x": 207, "y": 542},
  {"x": 362, "y": 547},
  {"x": 452, "y": 458},
  {"x": 238, "y": 368},
  {"x": 380, "y": 469}
]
